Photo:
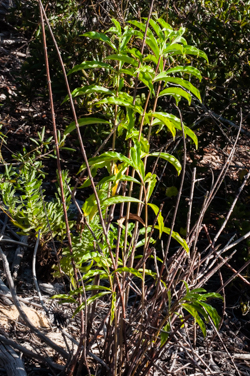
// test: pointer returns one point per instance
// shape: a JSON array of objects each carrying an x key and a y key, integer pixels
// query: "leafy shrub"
[{"x": 108, "y": 258}]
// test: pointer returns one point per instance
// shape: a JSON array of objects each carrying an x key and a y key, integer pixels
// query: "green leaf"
[
  {"x": 198, "y": 290},
  {"x": 165, "y": 120},
  {"x": 171, "y": 191},
  {"x": 93, "y": 273},
  {"x": 113, "y": 302},
  {"x": 212, "y": 313},
  {"x": 119, "y": 199},
  {"x": 181, "y": 69},
  {"x": 176, "y": 236},
  {"x": 167, "y": 29},
  {"x": 177, "y": 123},
  {"x": 173, "y": 48},
  {"x": 90, "y": 65},
  {"x": 165, "y": 334},
  {"x": 95, "y": 287},
  {"x": 90, "y": 300},
  {"x": 128, "y": 33},
  {"x": 120, "y": 102},
  {"x": 136, "y": 155},
  {"x": 150, "y": 40},
  {"x": 117, "y": 25},
  {"x": 184, "y": 83},
  {"x": 129, "y": 270},
  {"x": 157, "y": 29},
  {"x": 130, "y": 72},
  {"x": 136, "y": 53},
  {"x": 146, "y": 78},
  {"x": 99, "y": 36},
  {"x": 191, "y": 50},
  {"x": 213, "y": 295},
  {"x": 151, "y": 58},
  {"x": 118, "y": 177},
  {"x": 124, "y": 58},
  {"x": 151, "y": 179},
  {"x": 176, "y": 93},
  {"x": 192, "y": 310},
  {"x": 88, "y": 205},
  {"x": 88, "y": 90},
  {"x": 84, "y": 121},
  {"x": 170, "y": 158},
  {"x": 160, "y": 219},
  {"x": 105, "y": 158}
]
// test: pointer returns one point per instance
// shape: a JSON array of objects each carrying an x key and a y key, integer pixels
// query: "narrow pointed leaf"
[
  {"x": 84, "y": 121},
  {"x": 177, "y": 123},
  {"x": 181, "y": 69},
  {"x": 191, "y": 50},
  {"x": 100, "y": 36},
  {"x": 119, "y": 199},
  {"x": 88, "y": 90},
  {"x": 120, "y": 102},
  {"x": 165, "y": 334},
  {"x": 185, "y": 84},
  {"x": 157, "y": 29},
  {"x": 166, "y": 121},
  {"x": 117, "y": 25},
  {"x": 152, "y": 58},
  {"x": 90, "y": 300},
  {"x": 177, "y": 237},
  {"x": 160, "y": 218},
  {"x": 176, "y": 91},
  {"x": 194, "y": 313},
  {"x": 173, "y": 48},
  {"x": 150, "y": 40},
  {"x": 128, "y": 33},
  {"x": 124, "y": 58},
  {"x": 170, "y": 158},
  {"x": 146, "y": 78},
  {"x": 90, "y": 65},
  {"x": 129, "y": 270},
  {"x": 212, "y": 313}
]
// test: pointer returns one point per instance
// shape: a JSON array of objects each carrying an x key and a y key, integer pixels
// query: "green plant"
[
  {"x": 117, "y": 259},
  {"x": 121, "y": 103},
  {"x": 22, "y": 193}
]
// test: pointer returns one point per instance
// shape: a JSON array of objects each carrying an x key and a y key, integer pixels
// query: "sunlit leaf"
[
  {"x": 120, "y": 102},
  {"x": 191, "y": 309},
  {"x": 177, "y": 237},
  {"x": 170, "y": 158},
  {"x": 181, "y": 69},
  {"x": 191, "y": 50},
  {"x": 117, "y": 25},
  {"x": 124, "y": 58},
  {"x": 173, "y": 48},
  {"x": 176, "y": 93},
  {"x": 184, "y": 83},
  {"x": 160, "y": 218},
  {"x": 212, "y": 313},
  {"x": 129, "y": 270},
  {"x": 165, "y": 120},
  {"x": 89, "y": 90},
  {"x": 119, "y": 199},
  {"x": 165, "y": 334},
  {"x": 100, "y": 36}
]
